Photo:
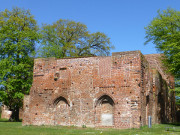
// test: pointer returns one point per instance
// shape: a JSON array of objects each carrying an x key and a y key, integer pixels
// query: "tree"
[
  {"x": 72, "y": 39},
  {"x": 18, "y": 34},
  {"x": 177, "y": 91},
  {"x": 164, "y": 32}
]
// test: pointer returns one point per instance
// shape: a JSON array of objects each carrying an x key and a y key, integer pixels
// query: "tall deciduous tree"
[
  {"x": 164, "y": 32},
  {"x": 72, "y": 39},
  {"x": 177, "y": 91},
  {"x": 18, "y": 34}
]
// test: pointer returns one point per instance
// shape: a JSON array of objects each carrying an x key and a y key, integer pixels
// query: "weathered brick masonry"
[
  {"x": 118, "y": 91},
  {"x": 5, "y": 114}
]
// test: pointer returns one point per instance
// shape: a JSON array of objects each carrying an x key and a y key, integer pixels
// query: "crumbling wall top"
[
  {"x": 126, "y": 53},
  {"x": 155, "y": 61}
]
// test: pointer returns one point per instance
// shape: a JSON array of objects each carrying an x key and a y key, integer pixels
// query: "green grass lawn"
[{"x": 16, "y": 128}]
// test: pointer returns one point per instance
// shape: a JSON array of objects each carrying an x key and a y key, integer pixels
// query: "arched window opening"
[
  {"x": 60, "y": 99},
  {"x": 105, "y": 99},
  {"x": 105, "y": 111},
  {"x": 61, "y": 111}
]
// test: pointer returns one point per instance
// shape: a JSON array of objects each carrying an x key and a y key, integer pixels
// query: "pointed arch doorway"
[
  {"x": 61, "y": 111},
  {"x": 104, "y": 111}
]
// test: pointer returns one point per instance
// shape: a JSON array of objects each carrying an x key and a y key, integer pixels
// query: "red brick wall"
[{"x": 94, "y": 91}]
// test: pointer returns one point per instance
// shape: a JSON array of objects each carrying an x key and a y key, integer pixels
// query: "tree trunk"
[{"x": 15, "y": 114}]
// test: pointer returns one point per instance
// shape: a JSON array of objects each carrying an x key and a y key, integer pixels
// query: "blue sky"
[{"x": 122, "y": 20}]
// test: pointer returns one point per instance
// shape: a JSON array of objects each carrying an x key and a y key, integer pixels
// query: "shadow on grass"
[
  {"x": 7, "y": 120},
  {"x": 4, "y": 120},
  {"x": 173, "y": 130},
  {"x": 173, "y": 124},
  {"x": 172, "y": 127}
]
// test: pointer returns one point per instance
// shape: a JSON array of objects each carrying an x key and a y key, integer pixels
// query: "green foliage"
[
  {"x": 164, "y": 32},
  {"x": 72, "y": 39},
  {"x": 18, "y": 34},
  {"x": 84, "y": 126},
  {"x": 177, "y": 91}
]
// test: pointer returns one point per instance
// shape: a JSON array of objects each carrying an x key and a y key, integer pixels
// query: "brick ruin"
[
  {"x": 5, "y": 112},
  {"x": 118, "y": 91}
]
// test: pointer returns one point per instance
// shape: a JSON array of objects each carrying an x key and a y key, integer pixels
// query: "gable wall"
[{"x": 82, "y": 81}]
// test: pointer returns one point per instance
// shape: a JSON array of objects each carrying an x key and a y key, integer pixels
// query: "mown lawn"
[{"x": 15, "y": 128}]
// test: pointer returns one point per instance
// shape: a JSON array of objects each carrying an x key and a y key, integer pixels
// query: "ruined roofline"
[
  {"x": 54, "y": 58},
  {"x": 155, "y": 54},
  {"x": 113, "y": 54},
  {"x": 155, "y": 61},
  {"x": 126, "y": 52}
]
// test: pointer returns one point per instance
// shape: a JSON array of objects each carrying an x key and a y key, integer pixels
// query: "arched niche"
[
  {"x": 61, "y": 111},
  {"x": 105, "y": 111},
  {"x": 61, "y": 98}
]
